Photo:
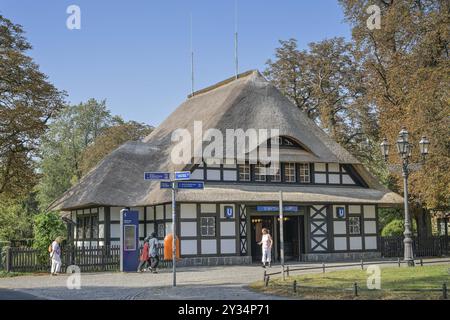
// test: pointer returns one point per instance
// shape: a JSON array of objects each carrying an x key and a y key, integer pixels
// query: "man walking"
[{"x": 153, "y": 247}]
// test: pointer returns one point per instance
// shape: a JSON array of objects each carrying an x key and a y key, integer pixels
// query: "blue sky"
[{"x": 136, "y": 53}]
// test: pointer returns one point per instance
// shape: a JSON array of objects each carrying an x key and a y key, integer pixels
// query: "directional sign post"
[{"x": 174, "y": 184}]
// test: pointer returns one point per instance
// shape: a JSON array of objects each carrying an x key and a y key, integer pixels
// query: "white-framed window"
[
  {"x": 208, "y": 226},
  {"x": 244, "y": 172},
  {"x": 354, "y": 225},
  {"x": 260, "y": 172},
  {"x": 275, "y": 174},
  {"x": 304, "y": 172},
  {"x": 289, "y": 172}
]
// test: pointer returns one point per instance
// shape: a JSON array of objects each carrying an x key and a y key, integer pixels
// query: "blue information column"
[{"x": 129, "y": 240}]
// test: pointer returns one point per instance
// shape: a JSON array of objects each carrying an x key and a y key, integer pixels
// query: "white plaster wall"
[
  {"x": 355, "y": 243},
  {"x": 115, "y": 230},
  {"x": 213, "y": 174},
  {"x": 334, "y": 178},
  {"x": 208, "y": 208},
  {"x": 333, "y": 167},
  {"x": 370, "y": 243},
  {"x": 115, "y": 213},
  {"x": 320, "y": 178},
  {"x": 354, "y": 209},
  {"x": 159, "y": 212},
  {"x": 188, "y": 247},
  {"x": 346, "y": 179},
  {"x": 229, "y": 175},
  {"x": 197, "y": 174},
  {"x": 369, "y": 212},
  {"x": 141, "y": 230},
  {"x": 370, "y": 227},
  {"x": 209, "y": 246},
  {"x": 188, "y": 211},
  {"x": 188, "y": 229},
  {"x": 227, "y": 229},
  {"x": 339, "y": 227},
  {"x": 319, "y": 167},
  {"x": 228, "y": 246},
  {"x": 340, "y": 243},
  {"x": 150, "y": 214}
]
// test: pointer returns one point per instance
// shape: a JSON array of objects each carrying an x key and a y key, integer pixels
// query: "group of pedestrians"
[{"x": 149, "y": 258}]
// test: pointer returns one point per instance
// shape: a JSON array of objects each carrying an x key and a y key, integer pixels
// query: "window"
[
  {"x": 87, "y": 227},
  {"x": 275, "y": 173},
  {"x": 289, "y": 172},
  {"x": 354, "y": 225},
  {"x": 208, "y": 226},
  {"x": 304, "y": 172},
  {"x": 161, "y": 228},
  {"x": 260, "y": 172},
  {"x": 244, "y": 172}
]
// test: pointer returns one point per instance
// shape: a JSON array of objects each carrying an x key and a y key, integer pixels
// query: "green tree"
[
  {"x": 327, "y": 82},
  {"x": 406, "y": 63},
  {"x": 75, "y": 128},
  {"x": 396, "y": 228},
  {"x": 27, "y": 102},
  {"x": 47, "y": 227}
]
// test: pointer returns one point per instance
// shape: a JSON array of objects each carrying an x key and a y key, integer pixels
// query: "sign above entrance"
[
  {"x": 156, "y": 176},
  {"x": 276, "y": 208}
]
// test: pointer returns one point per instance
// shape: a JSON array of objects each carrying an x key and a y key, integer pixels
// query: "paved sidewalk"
[{"x": 216, "y": 283}]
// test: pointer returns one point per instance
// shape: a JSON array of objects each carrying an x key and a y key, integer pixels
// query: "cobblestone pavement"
[{"x": 216, "y": 283}]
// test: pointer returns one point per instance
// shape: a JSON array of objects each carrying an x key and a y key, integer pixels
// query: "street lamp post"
[{"x": 404, "y": 148}]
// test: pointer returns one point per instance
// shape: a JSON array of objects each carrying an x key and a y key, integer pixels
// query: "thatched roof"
[{"x": 247, "y": 102}]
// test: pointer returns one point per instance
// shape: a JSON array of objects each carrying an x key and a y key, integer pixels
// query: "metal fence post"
[
  {"x": 398, "y": 261},
  {"x": 266, "y": 284},
  {"x": 287, "y": 271},
  {"x": 8, "y": 259},
  {"x": 323, "y": 267},
  {"x": 421, "y": 262},
  {"x": 444, "y": 291},
  {"x": 355, "y": 289},
  {"x": 362, "y": 264},
  {"x": 295, "y": 286}
]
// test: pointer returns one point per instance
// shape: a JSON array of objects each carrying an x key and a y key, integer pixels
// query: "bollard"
[
  {"x": 444, "y": 291},
  {"x": 323, "y": 267},
  {"x": 287, "y": 271},
  {"x": 362, "y": 264},
  {"x": 267, "y": 281},
  {"x": 421, "y": 262},
  {"x": 295, "y": 286},
  {"x": 355, "y": 289},
  {"x": 398, "y": 262}
]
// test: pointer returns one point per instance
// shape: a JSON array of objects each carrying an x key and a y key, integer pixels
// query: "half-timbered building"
[{"x": 331, "y": 200}]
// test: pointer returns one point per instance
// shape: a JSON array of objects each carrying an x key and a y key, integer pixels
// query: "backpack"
[{"x": 50, "y": 249}]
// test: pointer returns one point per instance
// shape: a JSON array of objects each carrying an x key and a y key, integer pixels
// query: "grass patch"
[
  {"x": 396, "y": 283},
  {"x": 4, "y": 274}
]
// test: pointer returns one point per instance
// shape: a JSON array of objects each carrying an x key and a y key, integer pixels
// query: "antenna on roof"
[
  {"x": 236, "y": 38},
  {"x": 192, "y": 60}
]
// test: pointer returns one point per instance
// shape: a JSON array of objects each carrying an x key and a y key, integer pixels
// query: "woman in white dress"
[
  {"x": 266, "y": 243},
  {"x": 55, "y": 255}
]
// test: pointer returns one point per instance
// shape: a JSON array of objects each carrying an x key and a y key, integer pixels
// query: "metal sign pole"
[
  {"x": 281, "y": 234},
  {"x": 174, "y": 242}
]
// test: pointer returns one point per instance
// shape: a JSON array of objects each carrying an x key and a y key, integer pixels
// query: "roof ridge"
[{"x": 223, "y": 82}]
